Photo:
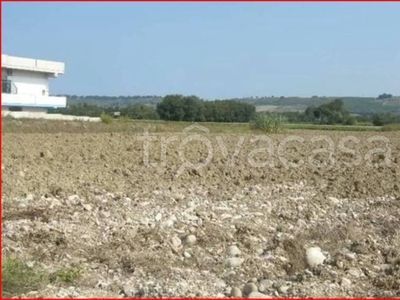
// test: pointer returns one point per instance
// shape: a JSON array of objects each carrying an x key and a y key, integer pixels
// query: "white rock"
[
  {"x": 260, "y": 252},
  {"x": 334, "y": 201},
  {"x": 102, "y": 285},
  {"x": 283, "y": 289},
  {"x": 179, "y": 197},
  {"x": 145, "y": 221},
  {"x": 233, "y": 251},
  {"x": 315, "y": 256},
  {"x": 234, "y": 262},
  {"x": 30, "y": 264},
  {"x": 265, "y": 285},
  {"x": 157, "y": 193},
  {"x": 354, "y": 272},
  {"x": 167, "y": 223},
  {"x": 190, "y": 240},
  {"x": 236, "y": 293},
  {"x": 345, "y": 282},
  {"x": 301, "y": 223},
  {"x": 258, "y": 295},
  {"x": 158, "y": 217},
  {"x": 351, "y": 256},
  {"x": 29, "y": 197},
  {"x": 129, "y": 290},
  {"x": 340, "y": 264},
  {"x": 220, "y": 283},
  {"x": 87, "y": 207},
  {"x": 176, "y": 242}
]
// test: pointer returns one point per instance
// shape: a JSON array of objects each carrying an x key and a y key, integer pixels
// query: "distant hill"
[
  {"x": 109, "y": 101},
  {"x": 355, "y": 105}
]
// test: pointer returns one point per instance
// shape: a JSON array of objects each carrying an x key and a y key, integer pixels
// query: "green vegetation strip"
[
  {"x": 19, "y": 278},
  {"x": 332, "y": 127}
]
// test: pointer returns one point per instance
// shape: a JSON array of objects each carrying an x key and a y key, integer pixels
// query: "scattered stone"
[
  {"x": 254, "y": 280},
  {"x": 283, "y": 289},
  {"x": 249, "y": 288},
  {"x": 315, "y": 256},
  {"x": 179, "y": 197},
  {"x": 87, "y": 207},
  {"x": 158, "y": 217},
  {"x": 351, "y": 256},
  {"x": 354, "y": 272},
  {"x": 233, "y": 251},
  {"x": 258, "y": 295},
  {"x": 340, "y": 264},
  {"x": 345, "y": 282},
  {"x": 167, "y": 223},
  {"x": 220, "y": 283},
  {"x": 189, "y": 240},
  {"x": 260, "y": 252},
  {"x": 236, "y": 293},
  {"x": 234, "y": 262},
  {"x": 129, "y": 290},
  {"x": 176, "y": 242},
  {"x": 334, "y": 201},
  {"x": 265, "y": 285}
]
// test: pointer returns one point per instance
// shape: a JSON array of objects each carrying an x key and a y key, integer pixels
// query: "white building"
[{"x": 25, "y": 84}]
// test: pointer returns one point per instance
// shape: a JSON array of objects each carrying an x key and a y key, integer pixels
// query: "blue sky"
[{"x": 212, "y": 50}]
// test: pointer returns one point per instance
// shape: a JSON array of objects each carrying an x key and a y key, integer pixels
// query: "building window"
[{"x": 15, "y": 108}]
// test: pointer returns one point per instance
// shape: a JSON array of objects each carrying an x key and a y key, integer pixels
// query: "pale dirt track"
[{"x": 87, "y": 201}]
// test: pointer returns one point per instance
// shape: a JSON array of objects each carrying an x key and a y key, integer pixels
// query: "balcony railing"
[{"x": 8, "y": 87}]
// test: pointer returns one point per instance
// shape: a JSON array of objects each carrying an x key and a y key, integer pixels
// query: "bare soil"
[{"x": 88, "y": 201}]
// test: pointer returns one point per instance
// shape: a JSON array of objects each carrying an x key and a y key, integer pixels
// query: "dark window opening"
[{"x": 15, "y": 108}]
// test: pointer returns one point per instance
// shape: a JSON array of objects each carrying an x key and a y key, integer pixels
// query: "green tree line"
[
  {"x": 194, "y": 109},
  {"x": 171, "y": 108}
]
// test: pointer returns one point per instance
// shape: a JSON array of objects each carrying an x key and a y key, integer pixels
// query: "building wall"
[
  {"x": 53, "y": 68},
  {"x": 29, "y": 83}
]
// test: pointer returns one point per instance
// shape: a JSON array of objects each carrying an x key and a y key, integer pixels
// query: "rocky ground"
[{"x": 86, "y": 210}]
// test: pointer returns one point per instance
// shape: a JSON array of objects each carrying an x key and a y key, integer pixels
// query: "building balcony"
[{"x": 27, "y": 100}]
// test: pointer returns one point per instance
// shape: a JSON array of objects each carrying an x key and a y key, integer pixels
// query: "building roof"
[{"x": 30, "y": 64}]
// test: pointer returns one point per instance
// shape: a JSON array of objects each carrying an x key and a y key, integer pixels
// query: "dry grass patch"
[
  {"x": 26, "y": 214},
  {"x": 19, "y": 278}
]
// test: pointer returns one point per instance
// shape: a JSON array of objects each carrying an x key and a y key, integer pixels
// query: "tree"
[
  {"x": 329, "y": 113},
  {"x": 171, "y": 108},
  {"x": 385, "y": 96}
]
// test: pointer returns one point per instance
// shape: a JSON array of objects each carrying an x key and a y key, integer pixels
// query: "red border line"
[{"x": 244, "y": 1}]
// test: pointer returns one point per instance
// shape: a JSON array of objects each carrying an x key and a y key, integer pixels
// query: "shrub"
[
  {"x": 391, "y": 127},
  {"x": 267, "y": 122},
  {"x": 66, "y": 275},
  {"x": 350, "y": 121},
  {"x": 125, "y": 119},
  {"x": 107, "y": 119}
]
